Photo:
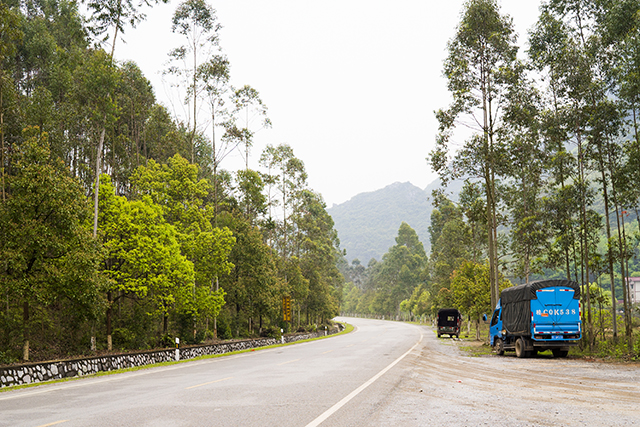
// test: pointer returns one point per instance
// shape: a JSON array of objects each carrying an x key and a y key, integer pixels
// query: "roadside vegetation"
[
  {"x": 120, "y": 229},
  {"x": 543, "y": 132}
]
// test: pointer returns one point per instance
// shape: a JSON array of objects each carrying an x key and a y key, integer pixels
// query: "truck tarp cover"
[
  {"x": 516, "y": 306},
  {"x": 448, "y": 317}
]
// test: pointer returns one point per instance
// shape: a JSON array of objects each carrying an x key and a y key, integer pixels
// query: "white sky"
[{"x": 351, "y": 85}]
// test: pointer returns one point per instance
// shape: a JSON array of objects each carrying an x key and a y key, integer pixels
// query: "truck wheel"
[
  {"x": 559, "y": 353},
  {"x": 520, "y": 348},
  {"x": 498, "y": 346}
]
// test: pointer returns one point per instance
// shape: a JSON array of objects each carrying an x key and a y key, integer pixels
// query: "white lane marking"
[
  {"x": 290, "y": 361},
  {"x": 357, "y": 391},
  {"x": 53, "y": 424},
  {"x": 210, "y": 382}
]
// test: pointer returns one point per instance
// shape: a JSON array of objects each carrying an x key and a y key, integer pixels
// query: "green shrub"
[{"x": 123, "y": 338}]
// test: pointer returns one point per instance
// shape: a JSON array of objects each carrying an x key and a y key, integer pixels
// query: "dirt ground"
[{"x": 446, "y": 384}]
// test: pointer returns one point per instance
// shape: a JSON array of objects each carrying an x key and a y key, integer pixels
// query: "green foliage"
[
  {"x": 180, "y": 247},
  {"x": 471, "y": 291},
  {"x": 143, "y": 256},
  {"x": 393, "y": 281},
  {"x": 49, "y": 257}
]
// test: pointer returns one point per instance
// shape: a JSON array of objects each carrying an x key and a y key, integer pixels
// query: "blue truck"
[{"x": 537, "y": 316}]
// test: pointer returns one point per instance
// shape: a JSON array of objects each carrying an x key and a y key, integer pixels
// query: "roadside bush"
[
  {"x": 123, "y": 338},
  {"x": 208, "y": 335},
  {"x": 270, "y": 332},
  {"x": 224, "y": 328},
  {"x": 6, "y": 358}
]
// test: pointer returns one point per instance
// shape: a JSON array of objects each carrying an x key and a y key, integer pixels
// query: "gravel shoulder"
[{"x": 443, "y": 384}]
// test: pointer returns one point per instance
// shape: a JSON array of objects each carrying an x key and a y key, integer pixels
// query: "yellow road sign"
[{"x": 286, "y": 308}]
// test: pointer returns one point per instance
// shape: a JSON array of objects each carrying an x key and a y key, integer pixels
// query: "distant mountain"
[{"x": 368, "y": 223}]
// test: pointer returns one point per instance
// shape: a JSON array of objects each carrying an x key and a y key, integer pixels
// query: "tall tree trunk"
[
  {"x": 488, "y": 173},
  {"x": 2, "y": 135},
  {"x": 195, "y": 99},
  {"x": 165, "y": 323},
  {"x": 609, "y": 248},
  {"x": 97, "y": 187},
  {"x": 25, "y": 330},
  {"x": 109, "y": 315},
  {"x": 627, "y": 292},
  {"x": 585, "y": 237}
]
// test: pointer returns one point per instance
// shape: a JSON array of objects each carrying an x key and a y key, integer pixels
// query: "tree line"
[
  {"x": 546, "y": 139},
  {"x": 119, "y": 229}
]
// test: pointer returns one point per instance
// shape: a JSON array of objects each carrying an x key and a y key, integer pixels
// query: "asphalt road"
[
  {"x": 383, "y": 374},
  {"x": 334, "y": 381}
]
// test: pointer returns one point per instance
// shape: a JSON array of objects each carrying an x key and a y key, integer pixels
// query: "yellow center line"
[
  {"x": 327, "y": 352},
  {"x": 351, "y": 345},
  {"x": 210, "y": 382},
  {"x": 54, "y": 423},
  {"x": 290, "y": 361}
]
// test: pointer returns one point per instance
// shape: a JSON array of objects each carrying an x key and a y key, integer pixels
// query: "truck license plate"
[{"x": 556, "y": 337}]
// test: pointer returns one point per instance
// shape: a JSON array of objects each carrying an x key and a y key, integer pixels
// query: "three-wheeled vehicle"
[{"x": 449, "y": 321}]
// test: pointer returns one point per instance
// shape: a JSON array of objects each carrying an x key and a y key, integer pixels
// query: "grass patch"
[
  {"x": 348, "y": 328},
  {"x": 476, "y": 348}
]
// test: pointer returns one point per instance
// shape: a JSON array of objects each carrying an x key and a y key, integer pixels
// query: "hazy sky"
[{"x": 351, "y": 85}]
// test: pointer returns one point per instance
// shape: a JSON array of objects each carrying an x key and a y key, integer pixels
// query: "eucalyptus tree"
[
  {"x": 106, "y": 15},
  {"x": 548, "y": 46},
  {"x": 214, "y": 74},
  {"x": 483, "y": 46},
  {"x": 250, "y": 196},
  {"x": 290, "y": 179},
  {"x": 116, "y": 15},
  {"x": 135, "y": 99},
  {"x": 10, "y": 34},
  {"x": 247, "y": 103},
  {"x": 163, "y": 138},
  {"x": 52, "y": 47},
  {"x": 287, "y": 173},
  {"x": 94, "y": 85},
  {"x": 318, "y": 254},
  {"x": 569, "y": 41},
  {"x": 197, "y": 22},
  {"x": 472, "y": 204},
  {"x": 523, "y": 162},
  {"x": 620, "y": 27},
  {"x": 450, "y": 243}
]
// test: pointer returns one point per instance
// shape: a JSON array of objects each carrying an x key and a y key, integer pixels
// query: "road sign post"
[{"x": 286, "y": 308}]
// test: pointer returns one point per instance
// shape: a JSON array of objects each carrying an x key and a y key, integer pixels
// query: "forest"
[
  {"x": 545, "y": 134},
  {"x": 120, "y": 229}
]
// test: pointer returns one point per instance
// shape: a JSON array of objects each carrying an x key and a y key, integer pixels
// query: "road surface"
[{"x": 382, "y": 374}]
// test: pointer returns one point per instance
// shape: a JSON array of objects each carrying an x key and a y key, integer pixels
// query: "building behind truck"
[{"x": 537, "y": 316}]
